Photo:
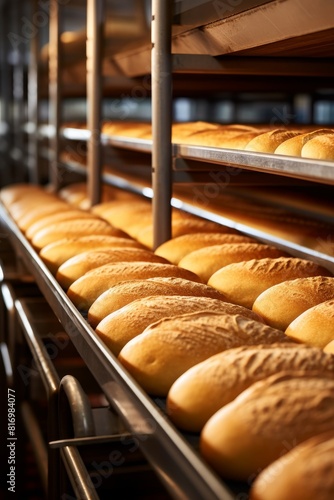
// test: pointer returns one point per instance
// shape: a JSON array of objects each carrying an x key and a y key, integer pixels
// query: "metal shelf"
[
  {"x": 321, "y": 171},
  {"x": 178, "y": 465}
]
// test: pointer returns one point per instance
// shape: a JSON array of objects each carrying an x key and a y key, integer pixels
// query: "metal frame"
[{"x": 161, "y": 69}]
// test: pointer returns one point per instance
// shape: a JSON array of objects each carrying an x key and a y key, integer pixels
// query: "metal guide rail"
[{"x": 181, "y": 469}]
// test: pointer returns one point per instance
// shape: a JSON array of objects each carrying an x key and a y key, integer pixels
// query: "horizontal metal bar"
[{"x": 84, "y": 441}]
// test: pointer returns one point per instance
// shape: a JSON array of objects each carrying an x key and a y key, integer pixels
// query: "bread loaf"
[
  {"x": 77, "y": 266},
  {"x": 329, "y": 348},
  {"x": 169, "y": 347},
  {"x": 315, "y": 326},
  {"x": 294, "y": 145},
  {"x": 280, "y": 304},
  {"x": 206, "y": 261},
  {"x": 184, "y": 226},
  {"x": 182, "y": 130},
  {"x": 118, "y": 328},
  {"x": 205, "y": 388},
  {"x": 243, "y": 282},
  {"x": 123, "y": 293},
  {"x": 265, "y": 421},
  {"x": 85, "y": 290},
  {"x": 268, "y": 142},
  {"x": 304, "y": 473},
  {"x": 61, "y": 216},
  {"x": 27, "y": 211},
  {"x": 176, "y": 248},
  {"x": 122, "y": 213},
  {"x": 222, "y": 138},
  {"x": 71, "y": 228},
  {"x": 15, "y": 192},
  {"x": 320, "y": 147},
  {"x": 58, "y": 252}
]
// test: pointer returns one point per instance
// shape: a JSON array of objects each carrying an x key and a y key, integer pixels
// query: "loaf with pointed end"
[
  {"x": 329, "y": 348},
  {"x": 243, "y": 282},
  {"x": 77, "y": 266},
  {"x": 71, "y": 228},
  {"x": 169, "y": 347},
  {"x": 63, "y": 215},
  {"x": 315, "y": 326},
  {"x": 125, "y": 292},
  {"x": 206, "y": 261},
  {"x": 294, "y": 145},
  {"x": 208, "y": 386},
  {"x": 267, "y": 420},
  {"x": 268, "y": 142},
  {"x": 304, "y": 473},
  {"x": 176, "y": 248},
  {"x": 280, "y": 304},
  {"x": 56, "y": 253},
  {"x": 118, "y": 328},
  {"x": 320, "y": 147},
  {"x": 85, "y": 290}
]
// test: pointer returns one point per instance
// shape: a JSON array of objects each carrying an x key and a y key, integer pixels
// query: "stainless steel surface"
[
  {"x": 32, "y": 107},
  {"x": 178, "y": 465},
  {"x": 95, "y": 18},
  {"x": 161, "y": 68},
  {"x": 54, "y": 93},
  {"x": 77, "y": 473},
  {"x": 302, "y": 168},
  {"x": 75, "y": 408},
  {"x": 33, "y": 430},
  {"x": 42, "y": 361}
]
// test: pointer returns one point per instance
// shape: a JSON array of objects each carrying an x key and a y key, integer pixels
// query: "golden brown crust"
[
  {"x": 84, "y": 291},
  {"x": 123, "y": 293},
  {"x": 71, "y": 228},
  {"x": 307, "y": 471},
  {"x": 208, "y": 260},
  {"x": 64, "y": 215},
  {"x": 243, "y": 282},
  {"x": 280, "y": 304},
  {"x": 329, "y": 348},
  {"x": 294, "y": 145},
  {"x": 315, "y": 326},
  {"x": 210, "y": 385},
  {"x": 176, "y": 248},
  {"x": 268, "y": 142},
  {"x": 58, "y": 252},
  {"x": 77, "y": 266},
  {"x": 118, "y": 328},
  {"x": 266, "y": 420},
  {"x": 169, "y": 347},
  {"x": 320, "y": 147}
]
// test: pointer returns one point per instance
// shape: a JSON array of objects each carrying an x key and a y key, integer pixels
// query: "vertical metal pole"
[
  {"x": 161, "y": 119},
  {"x": 95, "y": 10},
  {"x": 18, "y": 99},
  {"x": 33, "y": 112},
  {"x": 54, "y": 93}
]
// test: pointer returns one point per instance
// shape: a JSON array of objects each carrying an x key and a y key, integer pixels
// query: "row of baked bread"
[
  {"x": 301, "y": 141},
  {"x": 173, "y": 332}
]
